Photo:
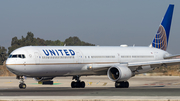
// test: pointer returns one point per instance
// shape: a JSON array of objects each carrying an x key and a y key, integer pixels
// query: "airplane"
[{"x": 119, "y": 63}]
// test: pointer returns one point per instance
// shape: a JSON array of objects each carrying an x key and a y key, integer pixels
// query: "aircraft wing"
[
  {"x": 154, "y": 64},
  {"x": 134, "y": 65},
  {"x": 172, "y": 56}
]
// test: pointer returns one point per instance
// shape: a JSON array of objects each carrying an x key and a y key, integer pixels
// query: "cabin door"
[
  {"x": 79, "y": 57},
  {"x": 119, "y": 57},
  {"x": 36, "y": 57}
]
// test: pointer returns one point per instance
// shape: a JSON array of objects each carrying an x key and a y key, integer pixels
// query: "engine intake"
[{"x": 119, "y": 73}]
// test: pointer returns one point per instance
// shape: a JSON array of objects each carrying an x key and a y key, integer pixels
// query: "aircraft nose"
[{"x": 10, "y": 64}]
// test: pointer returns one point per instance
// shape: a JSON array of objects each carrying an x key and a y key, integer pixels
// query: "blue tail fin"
[{"x": 161, "y": 38}]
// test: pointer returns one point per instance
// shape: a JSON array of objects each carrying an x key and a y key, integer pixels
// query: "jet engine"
[
  {"x": 119, "y": 73},
  {"x": 41, "y": 79}
]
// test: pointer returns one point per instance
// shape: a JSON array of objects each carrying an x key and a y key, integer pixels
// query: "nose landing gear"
[
  {"x": 78, "y": 83},
  {"x": 22, "y": 85}
]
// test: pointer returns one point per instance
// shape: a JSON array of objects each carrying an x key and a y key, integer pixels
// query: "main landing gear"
[
  {"x": 122, "y": 84},
  {"x": 78, "y": 83},
  {"x": 22, "y": 85}
]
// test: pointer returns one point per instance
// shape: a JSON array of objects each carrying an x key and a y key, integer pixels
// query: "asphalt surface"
[{"x": 95, "y": 86}]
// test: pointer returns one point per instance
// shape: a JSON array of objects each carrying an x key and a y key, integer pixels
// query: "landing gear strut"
[
  {"x": 22, "y": 85},
  {"x": 122, "y": 84},
  {"x": 78, "y": 83}
]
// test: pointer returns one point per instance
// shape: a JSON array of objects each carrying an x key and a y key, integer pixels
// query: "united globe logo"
[{"x": 160, "y": 40}]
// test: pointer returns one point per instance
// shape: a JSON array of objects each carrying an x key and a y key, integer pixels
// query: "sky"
[{"x": 100, "y": 22}]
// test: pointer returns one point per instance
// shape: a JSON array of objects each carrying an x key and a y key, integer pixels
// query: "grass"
[{"x": 4, "y": 71}]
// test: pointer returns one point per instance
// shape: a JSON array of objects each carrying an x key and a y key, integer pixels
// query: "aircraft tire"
[
  {"x": 77, "y": 84},
  {"x": 122, "y": 84},
  {"x": 73, "y": 84},
  {"x": 22, "y": 86},
  {"x": 126, "y": 84},
  {"x": 82, "y": 84},
  {"x": 117, "y": 84}
]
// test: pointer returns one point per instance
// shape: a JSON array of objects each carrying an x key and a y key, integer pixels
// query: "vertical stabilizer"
[{"x": 161, "y": 38}]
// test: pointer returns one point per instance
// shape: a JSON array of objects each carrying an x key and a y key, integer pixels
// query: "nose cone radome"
[
  {"x": 10, "y": 61},
  {"x": 10, "y": 65}
]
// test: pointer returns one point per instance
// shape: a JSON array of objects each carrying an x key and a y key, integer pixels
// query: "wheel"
[
  {"x": 77, "y": 84},
  {"x": 82, "y": 84},
  {"x": 73, "y": 84},
  {"x": 126, "y": 84},
  {"x": 122, "y": 84},
  {"x": 117, "y": 84},
  {"x": 22, "y": 86}
]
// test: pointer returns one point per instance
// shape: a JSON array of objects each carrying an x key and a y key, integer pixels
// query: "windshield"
[{"x": 17, "y": 56}]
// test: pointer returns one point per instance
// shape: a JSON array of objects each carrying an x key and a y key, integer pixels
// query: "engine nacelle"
[
  {"x": 119, "y": 73},
  {"x": 40, "y": 79}
]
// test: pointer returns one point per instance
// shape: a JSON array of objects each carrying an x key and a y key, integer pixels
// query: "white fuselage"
[{"x": 44, "y": 61}]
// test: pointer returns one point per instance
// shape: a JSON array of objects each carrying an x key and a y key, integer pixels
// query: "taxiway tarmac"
[{"x": 95, "y": 86}]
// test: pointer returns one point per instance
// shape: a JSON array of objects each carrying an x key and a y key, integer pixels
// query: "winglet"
[{"x": 161, "y": 38}]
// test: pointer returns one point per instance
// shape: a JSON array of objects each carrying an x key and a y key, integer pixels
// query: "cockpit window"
[
  {"x": 10, "y": 56},
  {"x": 14, "y": 56},
  {"x": 17, "y": 56},
  {"x": 23, "y": 56}
]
